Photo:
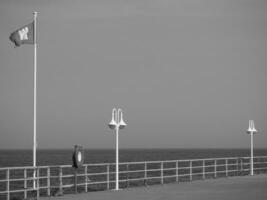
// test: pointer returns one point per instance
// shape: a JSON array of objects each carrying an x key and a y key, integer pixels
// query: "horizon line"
[{"x": 137, "y": 148}]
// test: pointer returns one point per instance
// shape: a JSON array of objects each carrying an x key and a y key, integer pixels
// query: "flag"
[{"x": 24, "y": 35}]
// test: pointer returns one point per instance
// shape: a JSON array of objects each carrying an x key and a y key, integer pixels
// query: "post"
[
  {"x": 177, "y": 171},
  {"x": 215, "y": 168},
  {"x": 117, "y": 123},
  {"x": 85, "y": 178},
  {"x": 38, "y": 182},
  {"x": 145, "y": 175},
  {"x": 191, "y": 178},
  {"x": 127, "y": 176},
  {"x": 241, "y": 166},
  {"x": 251, "y": 130},
  {"x": 161, "y": 173},
  {"x": 75, "y": 176},
  {"x": 34, "y": 100},
  {"x": 107, "y": 177},
  {"x": 226, "y": 167},
  {"x": 7, "y": 184},
  {"x": 237, "y": 165},
  {"x": 48, "y": 182},
  {"x": 60, "y": 181},
  {"x": 251, "y": 155},
  {"x": 25, "y": 183},
  {"x": 117, "y": 158},
  {"x": 204, "y": 170}
]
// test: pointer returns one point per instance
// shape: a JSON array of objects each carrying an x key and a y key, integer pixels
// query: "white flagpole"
[{"x": 35, "y": 100}]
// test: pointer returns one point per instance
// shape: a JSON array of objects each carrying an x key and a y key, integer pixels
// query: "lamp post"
[
  {"x": 117, "y": 123},
  {"x": 251, "y": 130}
]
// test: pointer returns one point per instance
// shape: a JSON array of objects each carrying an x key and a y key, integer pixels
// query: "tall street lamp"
[
  {"x": 117, "y": 123},
  {"x": 251, "y": 130}
]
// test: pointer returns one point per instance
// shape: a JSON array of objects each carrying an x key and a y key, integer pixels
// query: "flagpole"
[{"x": 35, "y": 99}]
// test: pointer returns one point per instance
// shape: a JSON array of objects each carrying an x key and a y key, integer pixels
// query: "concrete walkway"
[{"x": 232, "y": 188}]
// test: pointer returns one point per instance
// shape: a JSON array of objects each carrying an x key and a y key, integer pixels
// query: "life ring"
[{"x": 78, "y": 156}]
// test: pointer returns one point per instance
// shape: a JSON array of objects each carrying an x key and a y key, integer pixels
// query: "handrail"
[
  {"x": 124, "y": 163},
  {"x": 101, "y": 176}
]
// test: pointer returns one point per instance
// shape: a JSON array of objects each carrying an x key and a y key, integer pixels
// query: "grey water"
[{"x": 11, "y": 158}]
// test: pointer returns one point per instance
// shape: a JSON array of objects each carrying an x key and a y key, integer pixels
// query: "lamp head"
[
  {"x": 251, "y": 128},
  {"x": 122, "y": 124},
  {"x": 112, "y": 124}
]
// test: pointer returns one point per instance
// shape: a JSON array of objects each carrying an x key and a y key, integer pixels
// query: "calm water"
[{"x": 10, "y": 158}]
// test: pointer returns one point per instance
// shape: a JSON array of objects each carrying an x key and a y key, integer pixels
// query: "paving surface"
[{"x": 231, "y": 188}]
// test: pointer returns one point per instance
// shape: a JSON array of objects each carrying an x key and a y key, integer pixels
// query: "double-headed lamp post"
[
  {"x": 117, "y": 123},
  {"x": 251, "y": 130}
]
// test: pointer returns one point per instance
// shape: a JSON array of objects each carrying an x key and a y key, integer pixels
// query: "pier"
[
  {"x": 91, "y": 179},
  {"x": 232, "y": 188}
]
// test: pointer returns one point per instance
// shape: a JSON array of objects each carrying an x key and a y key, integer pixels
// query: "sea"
[{"x": 12, "y": 158}]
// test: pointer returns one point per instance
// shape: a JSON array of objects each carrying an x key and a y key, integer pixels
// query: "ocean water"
[{"x": 10, "y": 158}]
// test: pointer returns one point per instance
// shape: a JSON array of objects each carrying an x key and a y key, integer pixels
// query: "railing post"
[
  {"x": 204, "y": 170},
  {"x": 60, "y": 180},
  {"x": 236, "y": 166},
  {"x": 161, "y": 172},
  {"x": 127, "y": 175},
  {"x": 25, "y": 183},
  {"x": 76, "y": 180},
  {"x": 48, "y": 181},
  {"x": 38, "y": 182},
  {"x": 7, "y": 185},
  {"x": 107, "y": 177},
  {"x": 226, "y": 167},
  {"x": 264, "y": 163},
  {"x": 145, "y": 175},
  {"x": 191, "y": 178},
  {"x": 85, "y": 178},
  {"x": 215, "y": 168},
  {"x": 177, "y": 171},
  {"x": 241, "y": 166}
]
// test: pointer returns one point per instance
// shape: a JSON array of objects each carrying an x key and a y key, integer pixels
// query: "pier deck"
[{"x": 232, "y": 188}]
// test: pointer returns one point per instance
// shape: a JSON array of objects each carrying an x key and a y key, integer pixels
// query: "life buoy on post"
[{"x": 78, "y": 156}]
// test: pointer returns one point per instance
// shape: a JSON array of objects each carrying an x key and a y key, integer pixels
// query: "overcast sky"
[{"x": 187, "y": 73}]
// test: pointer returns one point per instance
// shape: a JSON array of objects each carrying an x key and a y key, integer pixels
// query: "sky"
[{"x": 186, "y": 73}]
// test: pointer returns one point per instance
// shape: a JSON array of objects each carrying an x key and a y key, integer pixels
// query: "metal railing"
[{"x": 59, "y": 180}]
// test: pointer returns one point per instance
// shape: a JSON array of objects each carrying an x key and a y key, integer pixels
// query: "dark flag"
[{"x": 24, "y": 35}]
